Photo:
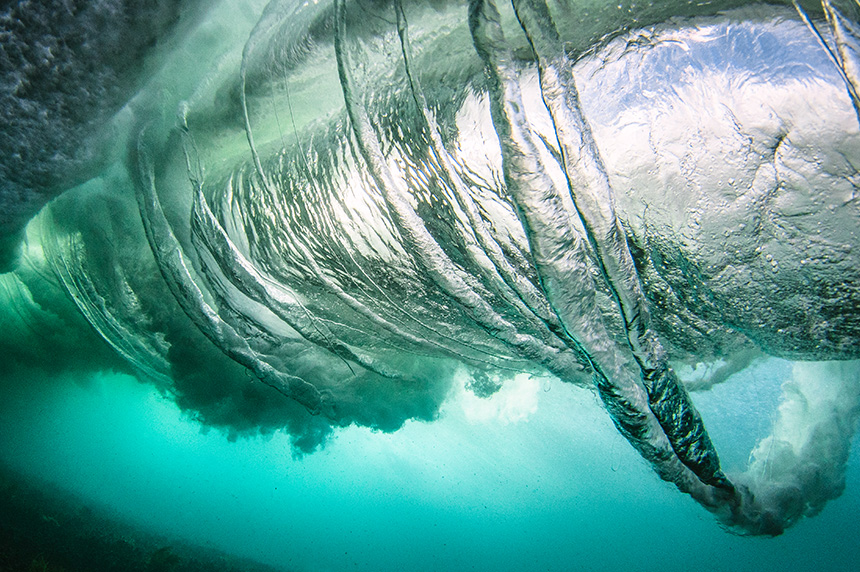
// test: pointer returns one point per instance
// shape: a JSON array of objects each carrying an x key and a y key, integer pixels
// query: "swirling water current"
[{"x": 358, "y": 214}]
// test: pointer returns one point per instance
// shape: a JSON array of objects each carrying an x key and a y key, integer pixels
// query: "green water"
[{"x": 534, "y": 479}]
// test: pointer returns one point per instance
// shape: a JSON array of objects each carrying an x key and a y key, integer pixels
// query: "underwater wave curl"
[{"x": 355, "y": 202}]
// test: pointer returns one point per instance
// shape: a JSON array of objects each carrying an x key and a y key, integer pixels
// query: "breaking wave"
[{"x": 352, "y": 202}]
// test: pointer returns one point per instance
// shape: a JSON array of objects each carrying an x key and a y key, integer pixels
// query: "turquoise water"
[{"x": 539, "y": 480}]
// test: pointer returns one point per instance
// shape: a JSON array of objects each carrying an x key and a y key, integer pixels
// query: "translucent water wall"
[{"x": 352, "y": 205}]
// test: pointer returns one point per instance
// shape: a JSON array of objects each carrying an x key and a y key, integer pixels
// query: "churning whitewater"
[{"x": 347, "y": 206}]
